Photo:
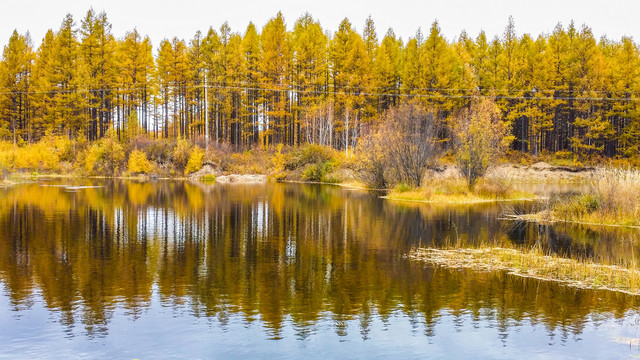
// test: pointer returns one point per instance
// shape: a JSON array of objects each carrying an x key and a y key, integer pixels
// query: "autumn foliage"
[{"x": 562, "y": 92}]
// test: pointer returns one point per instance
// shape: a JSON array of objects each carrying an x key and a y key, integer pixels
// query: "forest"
[{"x": 563, "y": 92}]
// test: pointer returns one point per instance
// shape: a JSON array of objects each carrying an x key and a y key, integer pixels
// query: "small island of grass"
[{"x": 579, "y": 273}]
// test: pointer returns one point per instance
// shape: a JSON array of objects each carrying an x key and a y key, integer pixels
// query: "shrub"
[
  {"x": 7, "y": 155},
  {"x": 481, "y": 136},
  {"x": 181, "y": 154},
  {"x": 369, "y": 163},
  {"x": 409, "y": 142},
  {"x": 278, "y": 162},
  {"x": 316, "y": 172},
  {"x": 402, "y": 149},
  {"x": 104, "y": 156},
  {"x": 195, "y": 161},
  {"x": 138, "y": 163},
  {"x": 309, "y": 154},
  {"x": 44, "y": 155}
]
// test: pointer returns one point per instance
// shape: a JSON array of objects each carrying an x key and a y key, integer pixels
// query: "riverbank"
[{"x": 582, "y": 274}]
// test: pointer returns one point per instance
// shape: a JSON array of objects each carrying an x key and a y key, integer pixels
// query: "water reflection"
[{"x": 277, "y": 255}]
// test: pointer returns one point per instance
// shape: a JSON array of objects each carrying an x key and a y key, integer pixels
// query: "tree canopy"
[{"x": 563, "y": 91}]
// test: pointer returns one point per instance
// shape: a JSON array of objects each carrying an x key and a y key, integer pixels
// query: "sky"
[{"x": 182, "y": 18}]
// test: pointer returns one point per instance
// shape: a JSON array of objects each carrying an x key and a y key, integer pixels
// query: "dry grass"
[
  {"x": 456, "y": 191},
  {"x": 535, "y": 264},
  {"x": 613, "y": 199},
  {"x": 618, "y": 192}
]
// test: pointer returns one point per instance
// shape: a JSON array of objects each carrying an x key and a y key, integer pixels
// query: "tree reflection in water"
[{"x": 279, "y": 254}]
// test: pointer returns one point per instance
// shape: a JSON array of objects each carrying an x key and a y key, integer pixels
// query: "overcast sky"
[{"x": 165, "y": 19}]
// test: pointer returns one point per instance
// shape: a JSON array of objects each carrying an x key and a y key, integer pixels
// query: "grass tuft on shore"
[{"x": 579, "y": 273}]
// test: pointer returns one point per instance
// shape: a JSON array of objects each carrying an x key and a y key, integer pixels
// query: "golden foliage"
[
  {"x": 138, "y": 163},
  {"x": 181, "y": 153},
  {"x": 105, "y": 156},
  {"x": 195, "y": 161},
  {"x": 481, "y": 136}
]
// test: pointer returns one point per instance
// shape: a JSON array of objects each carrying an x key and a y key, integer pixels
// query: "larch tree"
[
  {"x": 625, "y": 79},
  {"x": 411, "y": 75},
  {"x": 15, "y": 83},
  {"x": 591, "y": 128},
  {"x": 68, "y": 78},
  {"x": 251, "y": 50},
  {"x": 136, "y": 65},
  {"x": 309, "y": 44},
  {"x": 275, "y": 65},
  {"x": 43, "y": 86},
  {"x": 565, "y": 93},
  {"x": 98, "y": 51},
  {"x": 210, "y": 50}
]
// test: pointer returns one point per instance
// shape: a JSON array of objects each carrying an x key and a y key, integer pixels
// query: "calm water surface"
[{"x": 176, "y": 270}]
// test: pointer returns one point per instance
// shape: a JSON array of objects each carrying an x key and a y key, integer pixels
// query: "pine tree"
[
  {"x": 358, "y": 82},
  {"x": 164, "y": 81},
  {"x": 441, "y": 72}
]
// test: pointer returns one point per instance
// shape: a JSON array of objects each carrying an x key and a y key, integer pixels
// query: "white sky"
[{"x": 162, "y": 18}]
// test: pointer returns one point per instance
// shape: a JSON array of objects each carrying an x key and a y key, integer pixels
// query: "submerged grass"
[
  {"x": 208, "y": 179},
  {"x": 5, "y": 182},
  {"x": 579, "y": 273}
]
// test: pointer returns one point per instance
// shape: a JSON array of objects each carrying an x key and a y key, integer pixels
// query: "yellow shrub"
[
  {"x": 104, "y": 156},
  {"x": 138, "y": 163},
  {"x": 37, "y": 156},
  {"x": 181, "y": 154},
  {"x": 195, "y": 161},
  {"x": 279, "y": 161},
  {"x": 7, "y": 155}
]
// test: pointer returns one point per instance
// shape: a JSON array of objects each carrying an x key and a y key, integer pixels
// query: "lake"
[{"x": 164, "y": 269}]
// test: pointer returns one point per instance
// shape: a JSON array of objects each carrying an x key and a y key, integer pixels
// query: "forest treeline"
[{"x": 560, "y": 92}]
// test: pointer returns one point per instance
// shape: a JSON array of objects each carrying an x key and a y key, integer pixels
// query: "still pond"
[{"x": 146, "y": 270}]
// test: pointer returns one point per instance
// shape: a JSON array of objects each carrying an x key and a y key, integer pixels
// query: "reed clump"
[{"x": 533, "y": 263}]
